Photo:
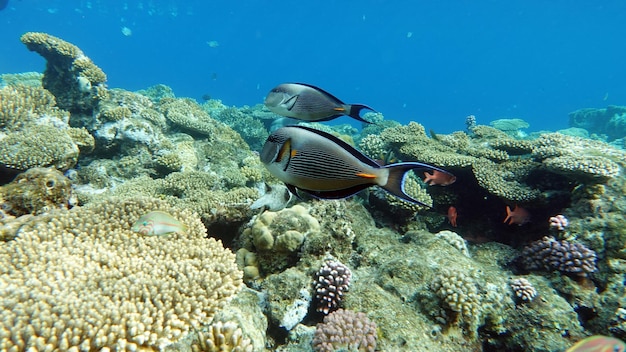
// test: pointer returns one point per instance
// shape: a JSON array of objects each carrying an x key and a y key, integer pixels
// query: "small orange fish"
[
  {"x": 438, "y": 178},
  {"x": 598, "y": 343},
  {"x": 518, "y": 216},
  {"x": 452, "y": 216}
]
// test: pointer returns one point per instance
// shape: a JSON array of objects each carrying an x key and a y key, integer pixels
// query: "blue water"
[{"x": 434, "y": 62}]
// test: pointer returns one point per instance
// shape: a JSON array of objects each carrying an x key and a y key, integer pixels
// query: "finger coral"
[
  {"x": 81, "y": 280},
  {"x": 331, "y": 283},
  {"x": 565, "y": 256},
  {"x": 345, "y": 330}
]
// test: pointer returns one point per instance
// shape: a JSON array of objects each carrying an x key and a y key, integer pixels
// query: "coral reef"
[
  {"x": 276, "y": 237},
  {"x": 345, "y": 330},
  {"x": 609, "y": 122},
  {"x": 38, "y": 146},
  {"x": 523, "y": 289},
  {"x": 222, "y": 336},
  {"x": 567, "y": 257},
  {"x": 36, "y": 191},
  {"x": 85, "y": 281},
  {"x": 75, "y": 81},
  {"x": 332, "y": 281}
]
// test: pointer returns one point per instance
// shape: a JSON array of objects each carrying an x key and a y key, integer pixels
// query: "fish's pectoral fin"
[{"x": 291, "y": 102}]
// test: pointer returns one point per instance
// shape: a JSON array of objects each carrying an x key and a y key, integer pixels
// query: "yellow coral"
[{"x": 81, "y": 280}]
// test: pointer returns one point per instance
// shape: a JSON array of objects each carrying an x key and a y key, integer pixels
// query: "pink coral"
[{"x": 559, "y": 222}]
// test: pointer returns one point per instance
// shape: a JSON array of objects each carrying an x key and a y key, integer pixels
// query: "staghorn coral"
[
  {"x": 332, "y": 281},
  {"x": 36, "y": 191},
  {"x": 81, "y": 280},
  {"x": 75, "y": 81},
  {"x": 345, "y": 330},
  {"x": 38, "y": 146}
]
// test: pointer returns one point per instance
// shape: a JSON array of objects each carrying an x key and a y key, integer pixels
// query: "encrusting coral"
[
  {"x": 36, "y": 191},
  {"x": 81, "y": 280}
]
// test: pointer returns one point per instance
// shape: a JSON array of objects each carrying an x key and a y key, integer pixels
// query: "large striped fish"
[
  {"x": 310, "y": 103},
  {"x": 324, "y": 166}
]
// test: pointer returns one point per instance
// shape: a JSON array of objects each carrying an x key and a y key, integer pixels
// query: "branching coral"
[{"x": 81, "y": 280}]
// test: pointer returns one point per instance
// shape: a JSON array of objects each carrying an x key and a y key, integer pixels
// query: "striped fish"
[
  {"x": 157, "y": 223},
  {"x": 322, "y": 165},
  {"x": 310, "y": 103}
]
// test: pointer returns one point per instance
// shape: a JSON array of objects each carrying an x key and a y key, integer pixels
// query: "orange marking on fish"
[
  {"x": 438, "y": 178},
  {"x": 452, "y": 214},
  {"x": 283, "y": 150},
  {"x": 364, "y": 175},
  {"x": 339, "y": 109},
  {"x": 518, "y": 216},
  {"x": 293, "y": 153}
]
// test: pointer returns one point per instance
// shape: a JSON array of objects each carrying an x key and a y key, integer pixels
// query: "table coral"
[
  {"x": 21, "y": 105},
  {"x": 38, "y": 146},
  {"x": 75, "y": 81},
  {"x": 81, "y": 280}
]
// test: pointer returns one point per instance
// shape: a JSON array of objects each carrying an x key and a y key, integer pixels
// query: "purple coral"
[
  {"x": 564, "y": 256},
  {"x": 332, "y": 281},
  {"x": 344, "y": 330}
]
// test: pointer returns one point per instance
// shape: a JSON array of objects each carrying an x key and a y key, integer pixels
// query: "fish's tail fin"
[
  {"x": 397, "y": 176},
  {"x": 355, "y": 112}
]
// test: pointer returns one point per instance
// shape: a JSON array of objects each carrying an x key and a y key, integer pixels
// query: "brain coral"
[{"x": 81, "y": 280}]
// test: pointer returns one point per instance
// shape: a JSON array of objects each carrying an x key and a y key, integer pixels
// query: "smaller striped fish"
[
  {"x": 157, "y": 223},
  {"x": 598, "y": 343}
]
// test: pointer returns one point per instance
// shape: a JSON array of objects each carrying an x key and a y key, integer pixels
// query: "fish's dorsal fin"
[
  {"x": 337, "y": 100},
  {"x": 350, "y": 149}
]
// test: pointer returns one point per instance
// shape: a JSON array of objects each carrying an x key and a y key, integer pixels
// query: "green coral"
[
  {"x": 75, "y": 81},
  {"x": 187, "y": 114}
]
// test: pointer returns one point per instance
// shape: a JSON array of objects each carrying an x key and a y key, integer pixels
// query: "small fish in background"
[
  {"x": 598, "y": 343},
  {"x": 309, "y": 103},
  {"x": 213, "y": 43},
  {"x": 518, "y": 216},
  {"x": 324, "y": 166},
  {"x": 158, "y": 223},
  {"x": 127, "y": 32},
  {"x": 438, "y": 178},
  {"x": 452, "y": 214}
]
